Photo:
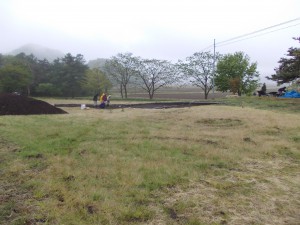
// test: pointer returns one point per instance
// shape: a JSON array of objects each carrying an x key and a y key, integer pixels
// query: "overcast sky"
[{"x": 160, "y": 29}]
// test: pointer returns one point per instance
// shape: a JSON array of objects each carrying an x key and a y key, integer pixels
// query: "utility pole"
[{"x": 213, "y": 70}]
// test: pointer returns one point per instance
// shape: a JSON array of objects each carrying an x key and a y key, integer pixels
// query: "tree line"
[{"x": 70, "y": 75}]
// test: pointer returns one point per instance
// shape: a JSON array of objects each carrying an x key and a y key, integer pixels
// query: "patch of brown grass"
[{"x": 198, "y": 165}]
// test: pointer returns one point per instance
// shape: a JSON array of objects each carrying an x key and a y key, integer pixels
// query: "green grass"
[
  {"x": 199, "y": 165},
  {"x": 288, "y": 105}
]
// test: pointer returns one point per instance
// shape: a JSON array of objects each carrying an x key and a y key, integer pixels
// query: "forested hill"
[
  {"x": 97, "y": 63},
  {"x": 38, "y": 51}
]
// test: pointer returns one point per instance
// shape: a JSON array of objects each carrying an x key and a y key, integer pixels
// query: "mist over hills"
[
  {"x": 42, "y": 52},
  {"x": 38, "y": 51},
  {"x": 97, "y": 63}
]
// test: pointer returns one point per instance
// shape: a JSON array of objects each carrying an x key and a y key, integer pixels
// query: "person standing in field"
[
  {"x": 95, "y": 99},
  {"x": 108, "y": 100}
]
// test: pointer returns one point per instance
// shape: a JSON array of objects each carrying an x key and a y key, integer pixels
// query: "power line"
[
  {"x": 258, "y": 31},
  {"x": 231, "y": 40},
  {"x": 256, "y": 35}
]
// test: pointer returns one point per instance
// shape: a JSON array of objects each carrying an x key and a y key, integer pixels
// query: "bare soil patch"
[
  {"x": 154, "y": 105},
  {"x": 13, "y": 104}
]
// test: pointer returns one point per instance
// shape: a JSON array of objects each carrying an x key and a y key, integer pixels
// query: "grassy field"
[{"x": 236, "y": 163}]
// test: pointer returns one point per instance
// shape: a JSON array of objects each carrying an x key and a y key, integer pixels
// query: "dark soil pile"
[{"x": 12, "y": 104}]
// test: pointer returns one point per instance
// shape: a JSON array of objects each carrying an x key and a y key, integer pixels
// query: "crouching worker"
[
  {"x": 103, "y": 99},
  {"x": 281, "y": 91}
]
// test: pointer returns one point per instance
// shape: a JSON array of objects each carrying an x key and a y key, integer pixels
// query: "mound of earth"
[{"x": 12, "y": 104}]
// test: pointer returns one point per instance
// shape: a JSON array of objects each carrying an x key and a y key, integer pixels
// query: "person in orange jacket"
[{"x": 103, "y": 99}]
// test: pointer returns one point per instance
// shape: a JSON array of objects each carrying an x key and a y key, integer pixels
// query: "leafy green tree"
[
  {"x": 155, "y": 74},
  {"x": 198, "y": 70},
  {"x": 14, "y": 78},
  {"x": 289, "y": 68},
  {"x": 235, "y": 73},
  {"x": 121, "y": 68},
  {"x": 234, "y": 84},
  {"x": 62, "y": 77},
  {"x": 47, "y": 89},
  {"x": 31, "y": 63},
  {"x": 41, "y": 75},
  {"x": 39, "y": 69},
  {"x": 68, "y": 73},
  {"x": 95, "y": 81},
  {"x": 1, "y": 60},
  {"x": 21, "y": 62},
  {"x": 74, "y": 71},
  {"x": 55, "y": 75}
]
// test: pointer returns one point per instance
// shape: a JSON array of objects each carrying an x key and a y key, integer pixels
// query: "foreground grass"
[
  {"x": 285, "y": 105},
  {"x": 199, "y": 165}
]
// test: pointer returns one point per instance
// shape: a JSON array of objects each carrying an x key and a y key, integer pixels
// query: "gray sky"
[{"x": 160, "y": 29}]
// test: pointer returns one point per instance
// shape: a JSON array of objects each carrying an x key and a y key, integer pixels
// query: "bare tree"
[
  {"x": 198, "y": 70},
  {"x": 121, "y": 69},
  {"x": 156, "y": 74}
]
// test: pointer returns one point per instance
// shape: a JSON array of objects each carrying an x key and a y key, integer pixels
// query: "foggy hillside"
[
  {"x": 38, "y": 51},
  {"x": 42, "y": 52},
  {"x": 97, "y": 63}
]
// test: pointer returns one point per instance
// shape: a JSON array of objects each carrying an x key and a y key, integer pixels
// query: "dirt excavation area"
[
  {"x": 14, "y": 104},
  {"x": 152, "y": 105}
]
